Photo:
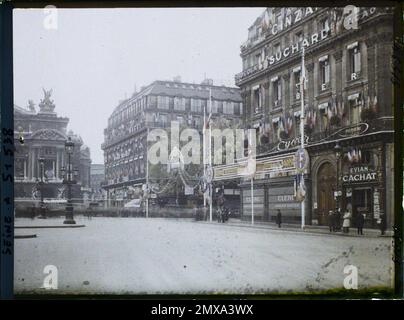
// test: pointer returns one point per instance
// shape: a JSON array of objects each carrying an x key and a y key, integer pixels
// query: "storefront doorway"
[
  {"x": 326, "y": 182},
  {"x": 362, "y": 204}
]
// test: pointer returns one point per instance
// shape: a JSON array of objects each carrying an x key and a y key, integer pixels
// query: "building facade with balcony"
[
  {"x": 348, "y": 104},
  {"x": 44, "y": 134},
  {"x": 157, "y": 106},
  {"x": 97, "y": 178}
]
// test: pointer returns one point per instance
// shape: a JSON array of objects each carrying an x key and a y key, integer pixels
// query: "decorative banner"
[
  {"x": 280, "y": 164},
  {"x": 300, "y": 188},
  {"x": 376, "y": 204},
  {"x": 302, "y": 160}
]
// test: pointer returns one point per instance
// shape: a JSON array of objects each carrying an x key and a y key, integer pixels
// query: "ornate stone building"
[
  {"x": 348, "y": 104},
  {"x": 157, "y": 106},
  {"x": 44, "y": 136}
]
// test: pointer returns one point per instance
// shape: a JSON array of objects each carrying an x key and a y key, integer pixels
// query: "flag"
[
  {"x": 282, "y": 126},
  {"x": 329, "y": 112},
  {"x": 334, "y": 107},
  {"x": 362, "y": 100},
  {"x": 289, "y": 125},
  {"x": 349, "y": 154},
  {"x": 375, "y": 105}
]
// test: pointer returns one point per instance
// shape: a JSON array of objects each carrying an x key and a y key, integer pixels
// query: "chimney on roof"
[
  {"x": 177, "y": 79},
  {"x": 208, "y": 82}
]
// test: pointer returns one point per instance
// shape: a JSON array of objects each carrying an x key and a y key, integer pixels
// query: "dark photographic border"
[{"x": 7, "y": 145}]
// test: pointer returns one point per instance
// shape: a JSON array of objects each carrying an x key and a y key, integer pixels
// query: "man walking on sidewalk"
[
  {"x": 360, "y": 222},
  {"x": 279, "y": 218},
  {"x": 331, "y": 221},
  {"x": 383, "y": 223}
]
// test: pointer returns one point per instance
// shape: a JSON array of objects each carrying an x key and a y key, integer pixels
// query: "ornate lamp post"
[
  {"x": 69, "y": 178},
  {"x": 41, "y": 183},
  {"x": 337, "y": 150}
]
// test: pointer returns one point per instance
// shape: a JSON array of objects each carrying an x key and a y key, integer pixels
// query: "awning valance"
[
  {"x": 354, "y": 96},
  {"x": 352, "y": 45},
  {"x": 297, "y": 69},
  {"x": 323, "y": 58}
]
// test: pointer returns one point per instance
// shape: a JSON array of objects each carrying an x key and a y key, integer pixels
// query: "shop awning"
[
  {"x": 323, "y": 106},
  {"x": 353, "y": 96},
  {"x": 323, "y": 58},
  {"x": 352, "y": 45},
  {"x": 297, "y": 69}
]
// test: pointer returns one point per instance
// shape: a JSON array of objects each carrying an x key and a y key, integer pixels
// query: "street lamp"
[
  {"x": 337, "y": 150},
  {"x": 41, "y": 187},
  {"x": 69, "y": 178}
]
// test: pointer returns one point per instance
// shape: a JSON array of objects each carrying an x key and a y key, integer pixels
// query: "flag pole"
[
  {"x": 204, "y": 157},
  {"x": 302, "y": 116},
  {"x": 210, "y": 155},
  {"x": 147, "y": 180}
]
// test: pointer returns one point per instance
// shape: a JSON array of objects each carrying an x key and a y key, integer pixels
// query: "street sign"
[
  {"x": 302, "y": 160},
  {"x": 209, "y": 174}
]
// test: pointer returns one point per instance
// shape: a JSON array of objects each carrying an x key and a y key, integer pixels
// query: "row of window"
[
  {"x": 354, "y": 67},
  {"x": 320, "y": 120},
  {"x": 173, "y": 103},
  {"x": 113, "y": 175},
  {"x": 194, "y": 105}
]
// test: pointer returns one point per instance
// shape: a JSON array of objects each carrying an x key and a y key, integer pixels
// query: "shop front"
[
  {"x": 352, "y": 180},
  {"x": 362, "y": 188},
  {"x": 273, "y": 189}
]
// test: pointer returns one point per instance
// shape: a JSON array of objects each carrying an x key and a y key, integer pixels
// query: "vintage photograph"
[{"x": 203, "y": 150}]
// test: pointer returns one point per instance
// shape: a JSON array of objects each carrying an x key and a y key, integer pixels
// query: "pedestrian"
[
  {"x": 337, "y": 219},
  {"x": 347, "y": 222},
  {"x": 33, "y": 211},
  {"x": 360, "y": 222},
  {"x": 383, "y": 223},
  {"x": 331, "y": 221},
  {"x": 279, "y": 218}
]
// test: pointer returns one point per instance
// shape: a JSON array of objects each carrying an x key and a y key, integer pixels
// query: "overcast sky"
[{"x": 96, "y": 57}]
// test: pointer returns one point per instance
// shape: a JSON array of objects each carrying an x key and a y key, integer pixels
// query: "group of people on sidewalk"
[{"x": 336, "y": 220}]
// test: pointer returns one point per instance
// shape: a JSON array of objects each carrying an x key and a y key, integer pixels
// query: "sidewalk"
[{"x": 309, "y": 229}]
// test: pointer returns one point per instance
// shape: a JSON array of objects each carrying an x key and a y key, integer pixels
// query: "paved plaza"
[{"x": 137, "y": 255}]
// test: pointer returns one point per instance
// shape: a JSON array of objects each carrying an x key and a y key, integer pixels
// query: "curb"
[
  {"x": 306, "y": 231},
  {"x": 28, "y": 236},
  {"x": 50, "y": 227}
]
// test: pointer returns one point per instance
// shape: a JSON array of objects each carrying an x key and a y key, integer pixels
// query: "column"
[
  {"x": 336, "y": 72},
  {"x": 25, "y": 169},
  {"x": 29, "y": 159},
  {"x": 286, "y": 92},
  {"x": 54, "y": 169},
  {"x": 33, "y": 161},
  {"x": 57, "y": 165},
  {"x": 383, "y": 82},
  {"x": 312, "y": 83}
]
